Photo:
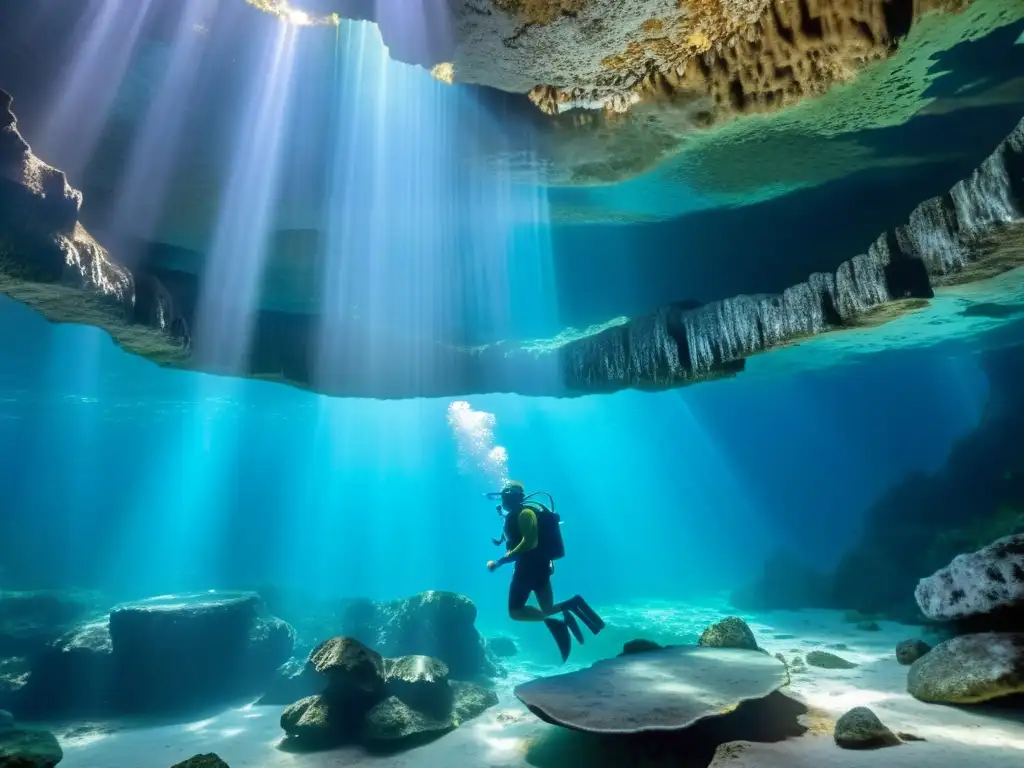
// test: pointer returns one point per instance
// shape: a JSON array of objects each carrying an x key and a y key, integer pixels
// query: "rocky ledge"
[{"x": 973, "y": 232}]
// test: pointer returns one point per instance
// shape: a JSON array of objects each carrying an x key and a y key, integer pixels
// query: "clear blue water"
[{"x": 139, "y": 480}]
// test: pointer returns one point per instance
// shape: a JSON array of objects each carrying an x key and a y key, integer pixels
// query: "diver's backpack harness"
[{"x": 549, "y": 530}]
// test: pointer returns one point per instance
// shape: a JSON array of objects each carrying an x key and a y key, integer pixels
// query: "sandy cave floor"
[{"x": 508, "y": 736}]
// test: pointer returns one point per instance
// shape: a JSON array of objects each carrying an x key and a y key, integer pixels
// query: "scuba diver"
[{"x": 534, "y": 540}]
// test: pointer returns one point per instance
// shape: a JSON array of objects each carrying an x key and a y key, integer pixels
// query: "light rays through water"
[
  {"x": 142, "y": 192},
  {"x": 233, "y": 280},
  {"x": 81, "y": 101}
]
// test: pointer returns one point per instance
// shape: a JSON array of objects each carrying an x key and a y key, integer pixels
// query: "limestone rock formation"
[
  {"x": 49, "y": 261},
  {"x": 730, "y": 632},
  {"x": 909, "y": 651},
  {"x": 969, "y": 669},
  {"x": 860, "y": 728},
  {"x": 989, "y": 580},
  {"x": 657, "y": 690},
  {"x": 969, "y": 234}
]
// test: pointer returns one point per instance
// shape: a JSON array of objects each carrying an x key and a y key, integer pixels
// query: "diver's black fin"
[
  {"x": 560, "y": 632},
  {"x": 587, "y": 614},
  {"x": 574, "y": 627}
]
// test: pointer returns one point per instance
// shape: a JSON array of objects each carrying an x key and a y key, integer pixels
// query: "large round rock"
[
  {"x": 969, "y": 669},
  {"x": 658, "y": 690},
  {"x": 976, "y": 583}
]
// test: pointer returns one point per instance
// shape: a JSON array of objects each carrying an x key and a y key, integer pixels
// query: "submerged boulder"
[
  {"x": 909, "y": 651},
  {"x": 182, "y": 650},
  {"x": 420, "y": 682},
  {"x": 969, "y": 669},
  {"x": 29, "y": 620},
  {"x": 28, "y": 748},
  {"x": 826, "y": 660},
  {"x": 731, "y": 632},
  {"x": 658, "y": 690},
  {"x": 349, "y": 666},
  {"x": 436, "y": 624},
  {"x": 988, "y": 580},
  {"x": 396, "y": 720},
  {"x": 860, "y": 728},
  {"x": 74, "y": 674},
  {"x": 369, "y": 698},
  {"x": 318, "y": 721},
  {"x": 202, "y": 761}
]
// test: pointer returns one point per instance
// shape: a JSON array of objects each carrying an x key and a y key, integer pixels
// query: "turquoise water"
[{"x": 138, "y": 480}]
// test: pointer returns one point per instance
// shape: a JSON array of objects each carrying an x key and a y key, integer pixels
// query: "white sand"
[{"x": 509, "y": 737}]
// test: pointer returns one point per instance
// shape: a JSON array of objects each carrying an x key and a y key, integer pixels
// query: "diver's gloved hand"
[{"x": 493, "y": 565}]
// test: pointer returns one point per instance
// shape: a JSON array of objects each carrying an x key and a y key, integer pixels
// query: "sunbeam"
[
  {"x": 231, "y": 287},
  {"x": 142, "y": 191},
  {"x": 81, "y": 101}
]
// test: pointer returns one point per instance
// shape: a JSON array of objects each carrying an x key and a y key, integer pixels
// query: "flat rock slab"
[{"x": 661, "y": 690}]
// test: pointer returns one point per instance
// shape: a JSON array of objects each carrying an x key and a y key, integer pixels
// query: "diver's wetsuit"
[{"x": 532, "y": 567}]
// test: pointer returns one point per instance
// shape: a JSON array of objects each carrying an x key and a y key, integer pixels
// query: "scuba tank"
[{"x": 549, "y": 527}]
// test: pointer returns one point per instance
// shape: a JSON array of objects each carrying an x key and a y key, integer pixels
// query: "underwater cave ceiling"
[
  {"x": 643, "y": 96},
  {"x": 631, "y": 85},
  {"x": 51, "y": 262}
]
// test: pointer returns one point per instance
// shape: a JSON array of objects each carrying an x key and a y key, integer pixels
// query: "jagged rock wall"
[
  {"x": 975, "y": 230},
  {"x": 50, "y": 262}
]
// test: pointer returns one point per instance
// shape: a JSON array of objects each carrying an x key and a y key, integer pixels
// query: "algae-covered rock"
[
  {"x": 969, "y": 669},
  {"x": 421, "y": 682},
  {"x": 731, "y": 632},
  {"x": 860, "y": 728},
  {"x": 347, "y": 663},
  {"x": 827, "y": 660},
  {"x": 316, "y": 721},
  {"x": 209, "y": 760},
  {"x": 28, "y": 748},
  {"x": 640, "y": 645},
  {"x": 909, "y": 651},
  {"x": 394, "y": 720},
  {"x": 470, "y": 701}
]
